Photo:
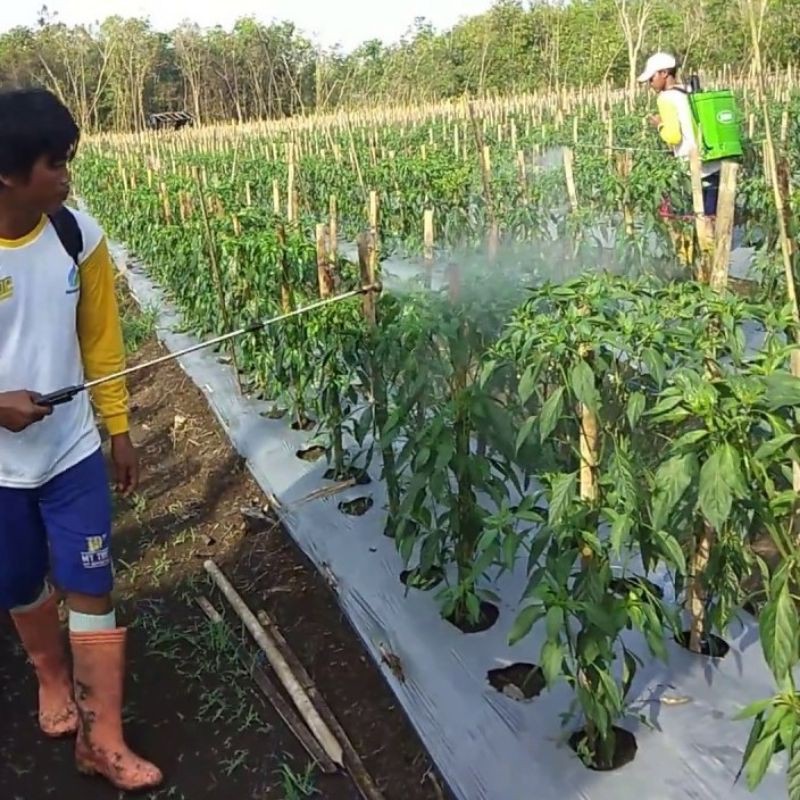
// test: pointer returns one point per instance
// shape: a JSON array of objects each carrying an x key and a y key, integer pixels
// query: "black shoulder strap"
[{"x": 69, "y": 232}]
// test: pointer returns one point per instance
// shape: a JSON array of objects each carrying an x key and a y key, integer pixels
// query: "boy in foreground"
[{"x": 59, "y": 326}]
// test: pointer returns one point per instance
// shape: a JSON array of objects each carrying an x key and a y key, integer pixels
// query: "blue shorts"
[{"x": 62, "y": 529}]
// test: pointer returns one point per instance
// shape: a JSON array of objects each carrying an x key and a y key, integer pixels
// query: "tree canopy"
[{"x": 113, "y": 74}]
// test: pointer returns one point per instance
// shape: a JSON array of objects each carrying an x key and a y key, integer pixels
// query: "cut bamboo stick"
[
  {"x": 299, "y": 697},
  {"x": 271, "y": 692},
  {"x": 352, "y": 761}
]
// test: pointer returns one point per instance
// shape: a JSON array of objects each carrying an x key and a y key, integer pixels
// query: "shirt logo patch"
[
  {"x": 96, "y": 554},
  {"x": 73, "y": 280},
  {"x": 6, "y": 288}
]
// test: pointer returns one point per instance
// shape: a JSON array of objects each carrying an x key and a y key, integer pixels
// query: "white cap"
[{"x": 656, "y": 63}]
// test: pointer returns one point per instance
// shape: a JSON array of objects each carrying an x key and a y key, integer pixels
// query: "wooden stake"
[
  {"x": 569, "y": 173},
  {"x": 276, "y": 197},
  {"x": 726, "y": 209},
  {"x": 324, "y": 274},
  {"x": 276, "y": 659},
  {"x": 427, "y": 226}
]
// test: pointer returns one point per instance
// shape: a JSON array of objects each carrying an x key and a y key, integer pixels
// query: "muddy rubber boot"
[
  {"x": 40, "y": 631},
  {"x": 99, "y": 669}
]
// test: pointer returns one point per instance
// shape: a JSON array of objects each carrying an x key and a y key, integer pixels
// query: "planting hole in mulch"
[
  {"x": 303, "y": 424},
  {"x": 624, "y": 749},
  {"x": 424, "y": 581},
  {"x": 712, "y": 646},
  {"x": 357, "y": 507},
  {"x": 634, "y": 583},
  {"x": 359, "y": 476},
  {"x": 313, "y": 453},
  {"x": 275, "y": 412},
  {"x": 488, "y": 616},
  {"x": 520, "y": 681}
]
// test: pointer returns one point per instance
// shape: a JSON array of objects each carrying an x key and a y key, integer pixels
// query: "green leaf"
[
  {"x": 562, "y": 494},
  {"x": 759, "y": 760},
  {"x": 754, "y": 709},
  {"x": 551, "y": 413},
  {"x": 527, "y": 384},
  {"x": 524, "y": 433},
  {"x": 552, "y": 658},
  {"x": 628, "y": 672},
  {"x": 555, "y": 622},
  {"x": 782, "y": 389},
  {"x": 689, "y": 439},
  {"x": 582, "y": 384},
  {"x": 778, "y": 630},
  {"x": 672, "y": 479},
  {"x": 787, "y": 729},
  {"x": 525, "y": 620},
  {"x": 671, "y": 549},
  {"x": 655, "y": 365},
  {"x": 768, "y": 449},
  {"x": 716, "y": 499},
  {"x": 731, "y": 466},
  {"x": 753, "y": 739},
  {"x": 620, "y": 530},
  {"x": 636, "y": 406}
]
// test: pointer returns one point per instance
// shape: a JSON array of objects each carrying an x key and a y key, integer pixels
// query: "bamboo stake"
[
  {"x": 324, "y": 274},
  {"x": 569, "y": 173},
  {"x": 276, "y": 197},
  {"x": 271, "y": 692},
  {"x": 724, "y": 226},
  {"x": 276, "y": 659},
  {"x": 428, "y": 234}
]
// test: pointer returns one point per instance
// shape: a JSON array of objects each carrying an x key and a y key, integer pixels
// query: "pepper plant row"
[{"x": 605, "y": 434}]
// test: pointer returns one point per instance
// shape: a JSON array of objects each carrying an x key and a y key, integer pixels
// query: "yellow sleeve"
[
  {"x": 100, "y": 337},
  {"x": 670, "y": 128}
]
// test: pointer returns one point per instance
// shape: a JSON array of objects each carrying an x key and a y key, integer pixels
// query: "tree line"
[{"x": 114, "y": 74}]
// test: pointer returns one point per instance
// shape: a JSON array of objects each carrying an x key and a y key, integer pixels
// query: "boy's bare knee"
[{"x": 87, "y": 604}]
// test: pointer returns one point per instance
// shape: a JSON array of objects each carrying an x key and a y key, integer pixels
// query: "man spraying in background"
[
  {"x": 676, "y": 123},
  {"x": 58, "y": 324}
]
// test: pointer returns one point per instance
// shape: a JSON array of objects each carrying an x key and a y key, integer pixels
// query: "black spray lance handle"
[{"x": 59, "y": 397}]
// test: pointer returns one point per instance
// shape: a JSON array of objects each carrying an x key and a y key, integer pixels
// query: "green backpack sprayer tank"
[{"x": 716, "y": 120}]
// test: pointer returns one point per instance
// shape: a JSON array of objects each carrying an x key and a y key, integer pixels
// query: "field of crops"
[{"x": 552, "y": 393}]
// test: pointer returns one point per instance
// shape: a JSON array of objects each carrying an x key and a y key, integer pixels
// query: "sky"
[{"x": 328, "y": 22}]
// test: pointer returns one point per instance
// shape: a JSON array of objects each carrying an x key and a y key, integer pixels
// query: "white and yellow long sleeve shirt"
[
  {"x": 59, "y": 326},
  {"x": 677, "y": 127}
]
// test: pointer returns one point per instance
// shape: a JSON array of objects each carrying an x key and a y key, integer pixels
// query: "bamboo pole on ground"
[
  {"x": 276, "y": 659},
  {"x": 352, "y": 761},
  {"x": 291, "y": 719}
]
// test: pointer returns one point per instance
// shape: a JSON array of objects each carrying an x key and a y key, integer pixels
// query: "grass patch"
[
  {"x": 138, "y": 324},
  {"x": 207, "y": 654},
  {"x": 297, "y": 785}
]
